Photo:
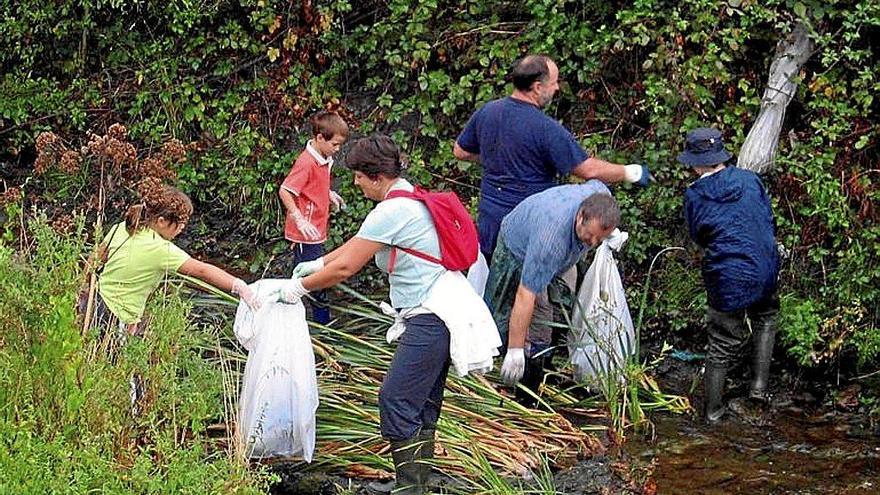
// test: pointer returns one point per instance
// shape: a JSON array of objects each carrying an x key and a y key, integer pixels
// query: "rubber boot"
[
  {"x": 533, "y": 377},
  {"x": 763, "y": 336},
  {"x": 714, "y": 383},
  {"x": 426, "y": 455},
  {"x": 407, "y": 469}
]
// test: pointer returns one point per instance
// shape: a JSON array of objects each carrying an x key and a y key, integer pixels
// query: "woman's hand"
[
  {"x": 307, "y": 268},
  {"x": 290, "y": 293}
]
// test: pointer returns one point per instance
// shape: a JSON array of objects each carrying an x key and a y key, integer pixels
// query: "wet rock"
[{"x": 292, "y": 482}]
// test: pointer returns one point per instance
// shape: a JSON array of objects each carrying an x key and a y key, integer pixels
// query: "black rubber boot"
[
  {"x": 533, "y": 377},
  {"x": 714, "y": 386},
  {"x": 408, "y": 470},
  {"x": 763, "y": 336},
  {"x": 426, "y": 455}
]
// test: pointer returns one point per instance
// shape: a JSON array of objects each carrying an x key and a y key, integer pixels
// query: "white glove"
[
  {"x": 617, "y": 239},
  {"x": 307, "y": 268},
  {"x": 637, "y": 174},
  {"x": 292, "y": 292},
  {"x": 308, "y": 230},
  {"x": 514, "y": 366},
  {"x": 242, "y": 290},
  {"x": 337, "y": 201}
]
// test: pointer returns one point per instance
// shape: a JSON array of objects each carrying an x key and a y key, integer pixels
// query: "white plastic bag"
[
  {"x": 602, "y": 336},
  {"x": 478, "y": 273},
  {"x": 279, "y": 392}
]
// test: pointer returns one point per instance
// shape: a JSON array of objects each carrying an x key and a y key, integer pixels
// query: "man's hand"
[
  {"x": 308, "y": 230},
  {"x": 514, "y": 366},
  {"x": 337, "y": 201},
  {"x": 307, "y": 268},
  {"x": 242, "y": 290},
  {"x": 637, "y": 174}
]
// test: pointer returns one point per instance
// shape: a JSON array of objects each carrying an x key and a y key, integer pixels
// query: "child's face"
[
  {"x": 167, "y": 229},
  {"x": 328, "y": 148}
]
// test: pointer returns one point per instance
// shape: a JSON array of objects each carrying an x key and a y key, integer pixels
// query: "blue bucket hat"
[{"x": 704, "y": 148}]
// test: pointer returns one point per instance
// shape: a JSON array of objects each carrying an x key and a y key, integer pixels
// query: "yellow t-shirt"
[{"x": 135, "y": 266}]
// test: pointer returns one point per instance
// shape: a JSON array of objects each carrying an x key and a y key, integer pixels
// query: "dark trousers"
[
  {"x": 412, "y": 392},
  {"x": 729, "y": 334},
  {"x": 311, "y": 252}
]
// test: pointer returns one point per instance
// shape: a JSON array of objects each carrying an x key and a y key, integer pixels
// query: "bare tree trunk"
[{"x": 759, "y": 149}]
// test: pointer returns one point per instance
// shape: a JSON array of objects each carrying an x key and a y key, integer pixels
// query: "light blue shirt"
[
  {"x": 540, "y": 232},
  {"x": 406, "y": 223}
]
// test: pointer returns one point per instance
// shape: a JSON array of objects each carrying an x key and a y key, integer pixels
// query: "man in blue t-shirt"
[{"x": 523, "y": 151}]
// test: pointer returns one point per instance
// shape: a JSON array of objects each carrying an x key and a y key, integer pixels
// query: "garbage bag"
[
  {"x": 601, "y": 337},
  {"x": 279, "y": 392},
  {"x": 478, "y": 273}
]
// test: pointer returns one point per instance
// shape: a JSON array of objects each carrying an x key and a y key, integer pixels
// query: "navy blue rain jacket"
[{"x": 728, "y": 214}]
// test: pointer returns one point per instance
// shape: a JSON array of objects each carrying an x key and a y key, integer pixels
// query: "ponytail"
[{"x": 134, "y": 218}]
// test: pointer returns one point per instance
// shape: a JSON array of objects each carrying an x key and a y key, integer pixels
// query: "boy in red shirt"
[{"x": 306, "y": 196}]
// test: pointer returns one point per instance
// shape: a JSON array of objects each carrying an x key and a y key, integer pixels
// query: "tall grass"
[
  {"x": 65, "y": 419},
  {"x": 478, "y": 415},
  {"x": 621, "y": 375}
]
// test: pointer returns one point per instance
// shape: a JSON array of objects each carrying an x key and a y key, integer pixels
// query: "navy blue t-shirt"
[{"x": 523, "y": 151}]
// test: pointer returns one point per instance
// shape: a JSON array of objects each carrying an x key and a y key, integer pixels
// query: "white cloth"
[
  {"x": 602, "y": 336},
  {"x": 473, "y": 335},
  {"x": 478, "y": 274},
  {"x": 279, "y": 390}
]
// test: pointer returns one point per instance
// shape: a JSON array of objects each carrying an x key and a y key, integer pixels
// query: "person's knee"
[{"x": 396, "y": 420}]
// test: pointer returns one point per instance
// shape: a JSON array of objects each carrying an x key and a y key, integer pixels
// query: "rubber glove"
[
  {"x": 241, "y": 289},
  {"x": 637, "y": 174},
  {"x": 307, "y": 268},
  {"x": 308, "y": 230},
  {"x": 514, "y": 366},
  {"x": 292, "y": 292},
  {"x": 617, "y": 239},
  {"x": 337, "y": 201}
]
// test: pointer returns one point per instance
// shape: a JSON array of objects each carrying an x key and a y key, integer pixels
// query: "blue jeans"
[
  {"x": 412, "y": 392},
  {"x": 311, "y": 252}
]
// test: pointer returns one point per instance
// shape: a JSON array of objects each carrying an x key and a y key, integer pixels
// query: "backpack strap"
[
  {"x": 100, "y": 268},
  {"x": 392, "y": 260}
]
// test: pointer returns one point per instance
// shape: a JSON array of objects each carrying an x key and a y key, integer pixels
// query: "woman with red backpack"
[{"x": 401, "y": 235}]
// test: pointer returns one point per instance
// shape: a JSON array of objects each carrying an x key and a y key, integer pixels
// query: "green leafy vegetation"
[
  {"x": 65, "y": 420},
  {"x": 239, "y": 79}
]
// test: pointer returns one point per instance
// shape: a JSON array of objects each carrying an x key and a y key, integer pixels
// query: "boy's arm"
[
  {"x": 289, "y": 201},
  {"x": 304, "y": 226}
]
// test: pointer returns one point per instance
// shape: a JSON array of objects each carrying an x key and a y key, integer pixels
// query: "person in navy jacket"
[{"x": 728, "y": 214}]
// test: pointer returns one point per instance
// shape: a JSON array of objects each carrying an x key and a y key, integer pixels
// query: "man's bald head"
[{"x": 531, "y": 68}]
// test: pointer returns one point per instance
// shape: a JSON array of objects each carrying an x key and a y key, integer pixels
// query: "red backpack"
[{"x": 459, "y": 243}]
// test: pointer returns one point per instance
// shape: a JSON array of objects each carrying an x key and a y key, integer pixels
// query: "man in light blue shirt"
[{"x": 542, "y": 238}]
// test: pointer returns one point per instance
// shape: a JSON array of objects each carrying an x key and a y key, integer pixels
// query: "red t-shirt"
[{"x": 309, "y": 181}]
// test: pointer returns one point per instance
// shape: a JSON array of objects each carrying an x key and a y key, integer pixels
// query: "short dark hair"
[
  {"x": 328, "y": 124},
  {"x": 601, "y": 207},
  {"x": 527, "y": 70},
  {"x": 374, "y": 156}
]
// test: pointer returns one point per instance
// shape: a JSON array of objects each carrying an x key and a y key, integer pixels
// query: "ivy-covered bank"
[{"x": 240, "y": 78}]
